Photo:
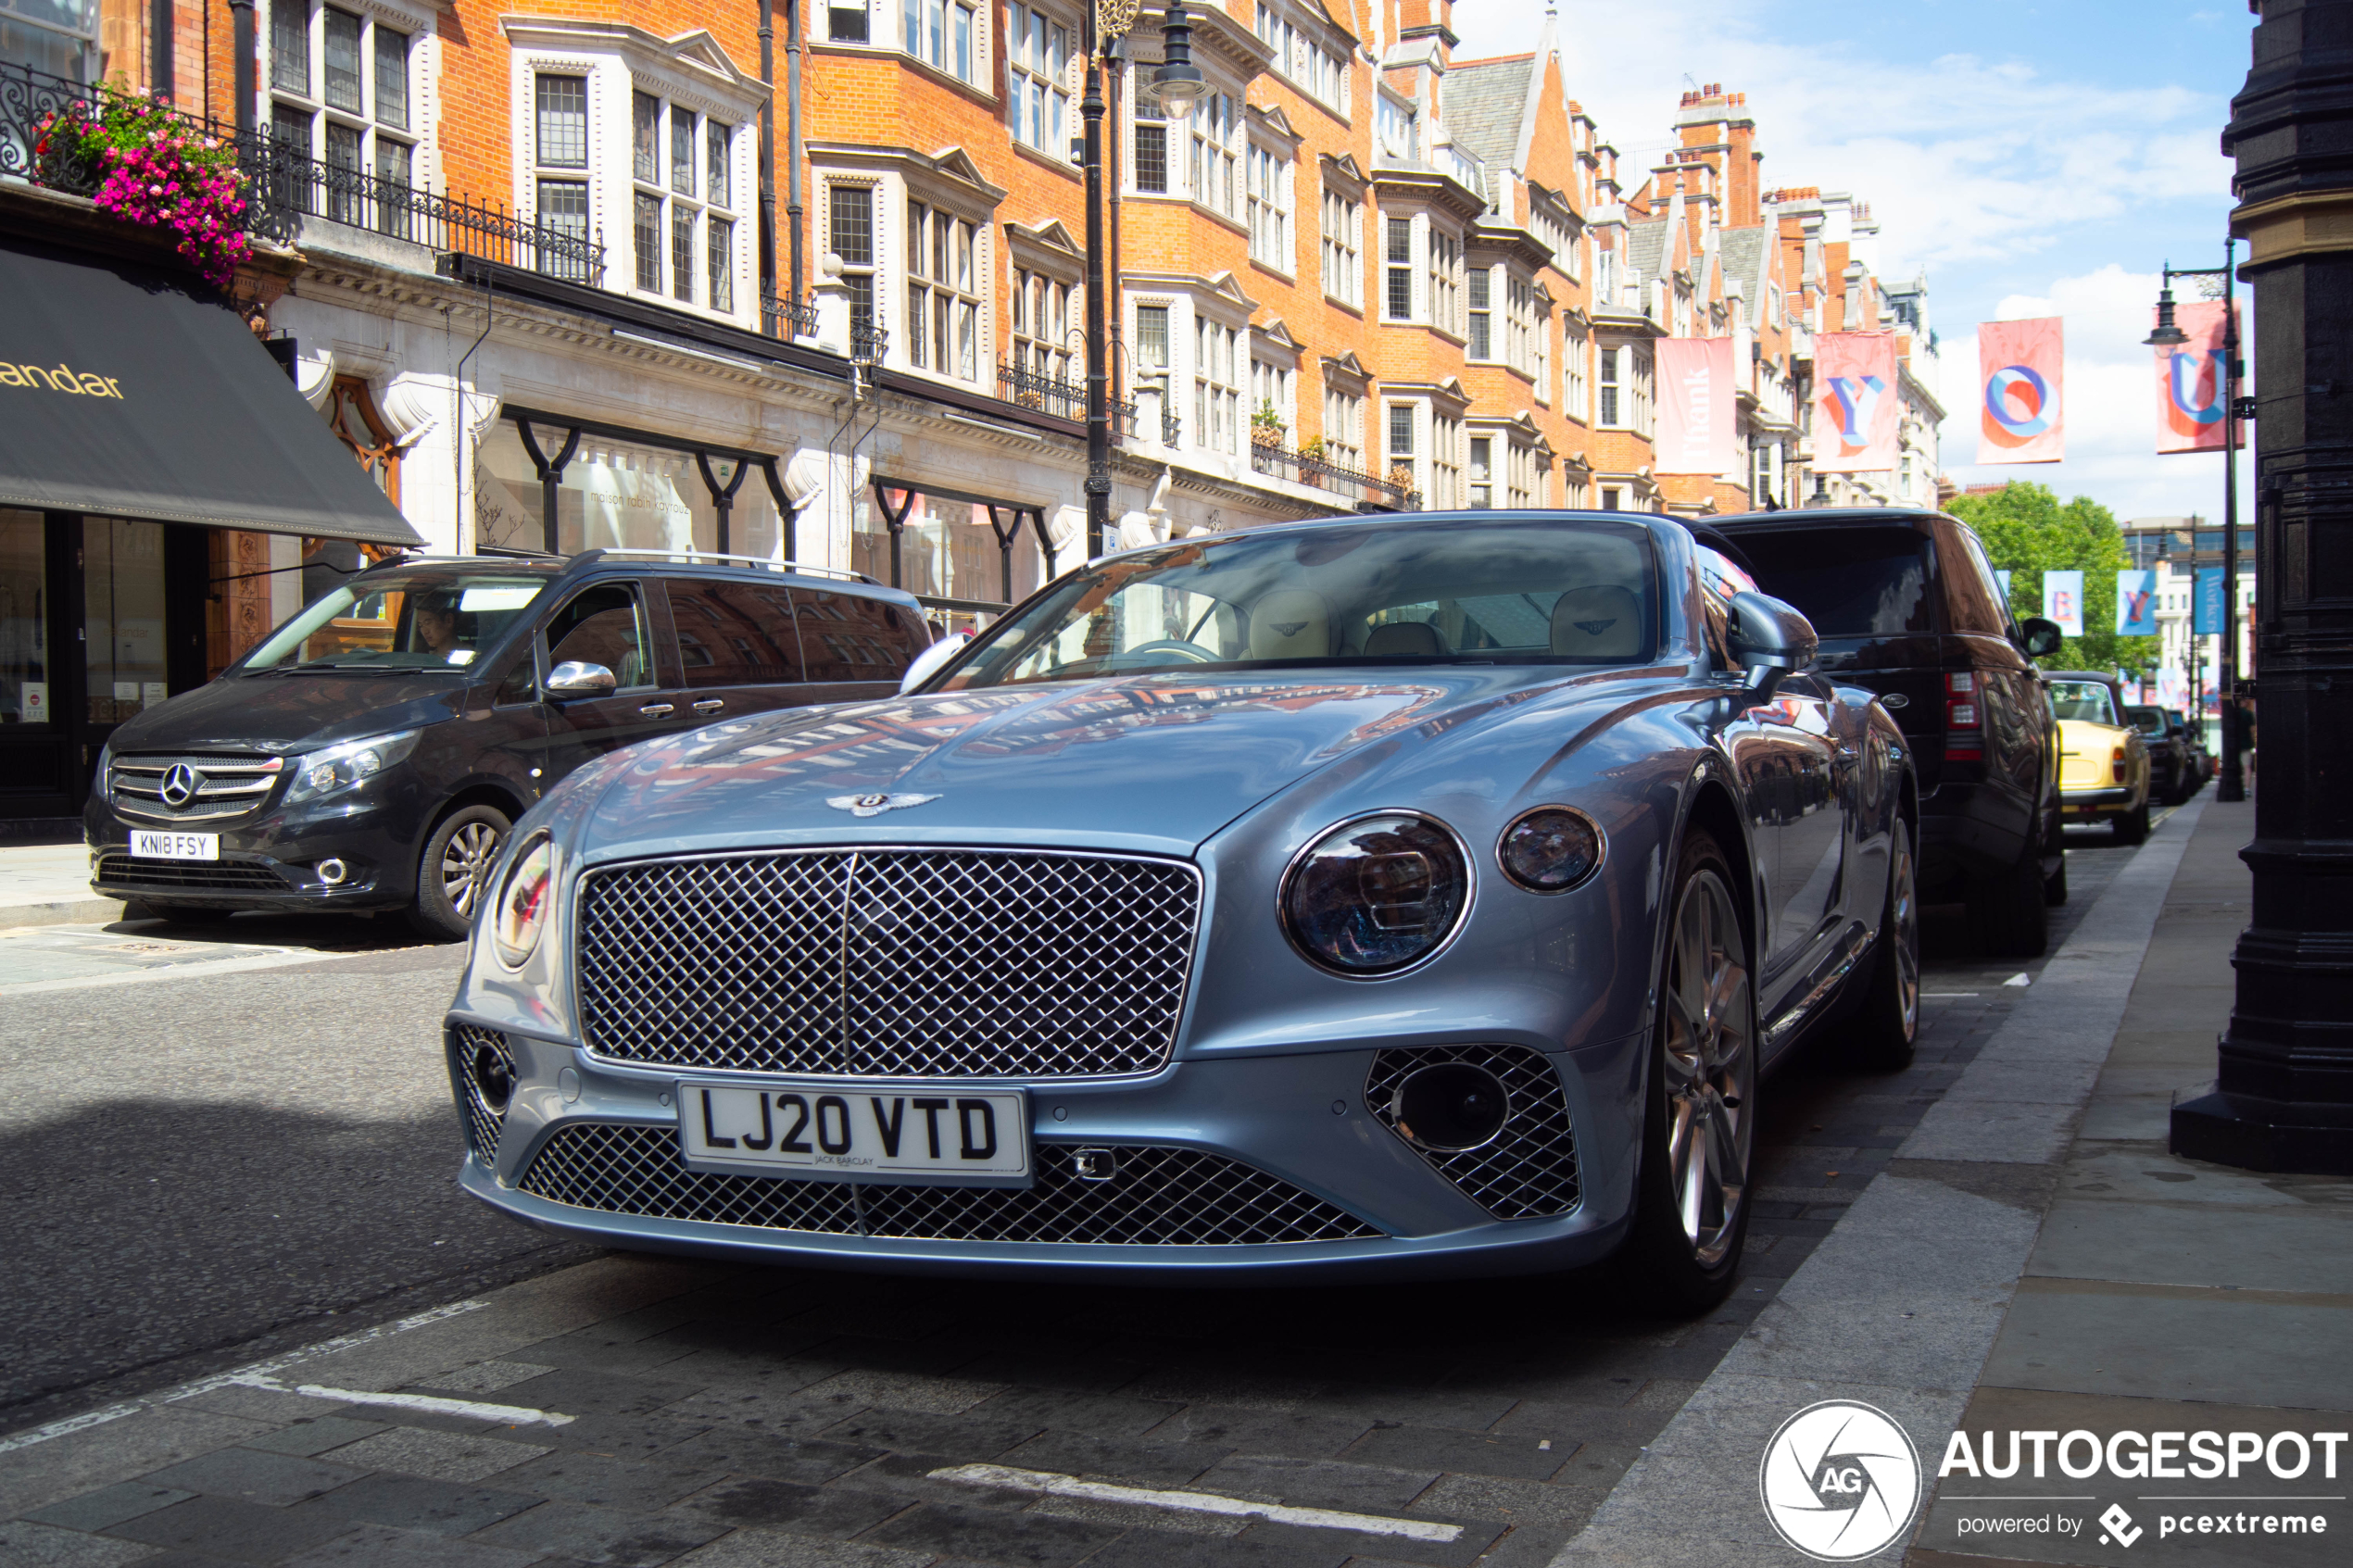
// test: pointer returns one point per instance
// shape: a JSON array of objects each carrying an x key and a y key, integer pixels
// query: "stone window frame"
[{"x": 418, "y": 154}]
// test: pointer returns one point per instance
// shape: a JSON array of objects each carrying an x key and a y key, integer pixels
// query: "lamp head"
[
  {"x": 2167, "y": 335},
  {"x": 1179, "y": 83}
]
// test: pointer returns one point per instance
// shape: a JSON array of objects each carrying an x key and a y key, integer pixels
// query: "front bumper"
[
  {"x": 1275, "y": 1146},
  {"x": 268, "y": 859}
]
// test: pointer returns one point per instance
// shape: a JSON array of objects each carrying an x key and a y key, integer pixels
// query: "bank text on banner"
[
  {"x": 1696, "y": 419},
  {"x": 2191, "y": 382},
  {"x": 1857, "y": 406},
  {"x": 2063, "y": 600},
  {"x": 2136, "y": 604},
  {"x": 2021, "y": 366}
]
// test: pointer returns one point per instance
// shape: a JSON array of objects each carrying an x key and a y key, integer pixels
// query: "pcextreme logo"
[
  {"x": 63, "y": 378},
  {"x": 1840, "y": 1480}
]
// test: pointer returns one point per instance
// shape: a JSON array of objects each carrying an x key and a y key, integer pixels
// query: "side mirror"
[
  {"x": 932, "y": 660},
  {"x": 1770, "y": 639},
  {"x": 2040, "y": 637},
  {"x": 574, "y": 678}
]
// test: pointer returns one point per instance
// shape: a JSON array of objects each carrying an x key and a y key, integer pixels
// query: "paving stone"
[
  {"x": 445, "y": 1456},
  {"x": 1101, "y": 1415},
  {"x": 1141, "y": 1516},
  {"x": 641, "y": 1486},
  {"x": 1026, "y": 1538},
  {"x": 777, "y": 1549},
  {"x": 586, "y": 1391},
  {"x": 25, "y": 1544},
  {"x": 601, "y": 1535},
  {"x": 734, "y": 1451},
  {"x": 866, "y": 1388},
  {"x": 1463, "y": 1550},
  {"x": 958, "y": 1437},
  {"x": 379, "y": 1547},
  {"x": 1361, "y": 1488},
  {"x": 406, "y": 1503},
  {"x": 231, "y": 1527},
  {"x": 484, "y": 1377},
  {"x": 1520, "y": 1504},
  {"x": 598, "y": 1349},
  {"x": 1141, "y": 1464},
  {"x": 628, "y": 1436},
  {"x": 280, "y": 1480},
  {"x": 1296, "y": 1435},
  {"x": 1169, "y": 1547},
  {"x": 760, "y": 1500},
  {"x": 311, "y": 1437},
  {"x": 1476, "y": 1453},
  {"x": 1469, "y": 1409},
  {"x": 908, "y": 1477},
  {"x": 108, "y": 1506}
]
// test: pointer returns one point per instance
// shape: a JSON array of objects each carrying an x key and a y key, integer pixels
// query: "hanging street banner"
[
  {"x": 2021, "y": 365},
  {"x": 2136, "y": 604},
  {"x": 2063, "y": 600},
  {"x": 2191, "y": 381},
  {"x": 1697, "y": 423},
  {"x": 2206, "y": 607},
  {"x": 1857, "y": 411}
]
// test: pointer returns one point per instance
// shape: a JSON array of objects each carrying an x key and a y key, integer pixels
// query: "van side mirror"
[
  {"x": 574, "y": 678},
  {"x": 1770, "y": 639},
  {"x": 2040, "y": 637},
  {"x": 929, "y": 662}
]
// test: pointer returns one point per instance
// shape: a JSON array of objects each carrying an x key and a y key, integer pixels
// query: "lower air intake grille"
[
  {"x": 483, "y": 1123},
  {"x": 192, "y": 876},
  {"x": 1528, "y": 1169},
  {"x": 1150, "y": 1197}
]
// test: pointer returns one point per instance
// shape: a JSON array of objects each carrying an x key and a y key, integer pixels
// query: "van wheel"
[
  {"x": 1880, "y": 1038},
  {"x": 453, "y": 874},
  {"x": 1691, "y": 1213},
  {"x": 2006, "y": 914},
  {"x": 187, "y": 914},
  {"x": 2054, "y": 885},
  {"x": 2134, "y": 826}
]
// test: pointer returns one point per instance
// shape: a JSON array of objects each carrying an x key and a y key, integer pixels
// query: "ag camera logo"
[{"x": 1840, "y": 1480}]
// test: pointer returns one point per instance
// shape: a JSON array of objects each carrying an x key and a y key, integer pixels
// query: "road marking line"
[
  {"x": 100, "y": 1417},
  {"x": 170, "y": 972},
  {"x": 1948, "y": 993},
  {"x": 520, "y": 1415},
  {"x": 1060, "y": 1486}
]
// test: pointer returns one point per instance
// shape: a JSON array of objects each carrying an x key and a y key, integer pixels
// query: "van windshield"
[{"x": 426, "y": 617}]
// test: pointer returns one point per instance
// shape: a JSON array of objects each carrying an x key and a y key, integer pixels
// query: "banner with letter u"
[
  {"x": 2021, "y": 366},
  {"x": 2136, "y": 604},
  {"x": 1857, "y": 407},
  {"x": 1697, "y": 423},
  {"x": 2063, "y": 600},
  {"x": 2192, "y": 381}
]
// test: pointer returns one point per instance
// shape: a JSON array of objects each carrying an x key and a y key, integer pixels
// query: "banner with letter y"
[
  {"x": 1857, "y": 407},
  {"x": 2136, "y": 604}
]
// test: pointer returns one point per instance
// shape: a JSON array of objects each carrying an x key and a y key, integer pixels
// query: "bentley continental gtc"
[{"x": 1399, "y": 897}]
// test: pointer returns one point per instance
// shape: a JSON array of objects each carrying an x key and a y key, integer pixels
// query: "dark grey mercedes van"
[{"x": 374, "y": 751}]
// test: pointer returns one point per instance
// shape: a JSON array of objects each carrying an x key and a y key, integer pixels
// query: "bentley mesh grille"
[
  {"x": 1528, "y": 1169},
  {"x": 1151, "y": 1197},
  {"x": 204, "y": 876},
  {"x": 483, "y": 1123},
  {"x": 933, "y": 963}
]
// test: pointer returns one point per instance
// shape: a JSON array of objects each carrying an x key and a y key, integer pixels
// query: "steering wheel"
[{"x": 1192, "y": 652}]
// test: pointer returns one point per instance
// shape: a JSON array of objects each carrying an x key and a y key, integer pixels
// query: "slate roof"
[
  {"x": 1741, "y": 252},
  {"x": 1646, "y": 248},
  {"x": 1483, "y": 101}
]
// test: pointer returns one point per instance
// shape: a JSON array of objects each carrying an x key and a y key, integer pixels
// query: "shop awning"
[{"x": 123, "y": 393}]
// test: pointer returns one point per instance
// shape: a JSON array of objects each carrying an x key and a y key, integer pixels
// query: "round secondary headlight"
[
  {"x": 524, "y": 900},
  {"x": 1377, "y": 895},
  {"x": 1550, "y": 849}
]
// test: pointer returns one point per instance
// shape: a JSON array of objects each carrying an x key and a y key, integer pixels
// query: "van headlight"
[
  {"x": 525, "y": 896},
  {"x": 1377, "y": 895},
  {"x": 352, "y": 763}
]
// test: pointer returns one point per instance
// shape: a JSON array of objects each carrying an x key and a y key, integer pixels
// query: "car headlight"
[
  {"x": 525, "y": 897},
  {"x": 1377, "y": 895},
  {"x": 103, "y": 780},
  {"x": 1550, "y": 849},
  {"x": 353, "y": 762}
]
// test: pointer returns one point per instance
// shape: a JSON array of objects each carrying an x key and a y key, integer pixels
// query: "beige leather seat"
[
  {"x": 1404, "y": 639},
  {"x": 1291, "y": 623},
  {"x": 1597, "y": 623}
]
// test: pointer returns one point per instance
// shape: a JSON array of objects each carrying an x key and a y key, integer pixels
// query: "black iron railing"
[
  {"x": 869, "y": 341},
  {"x": 1065, "y": 399},
  {"x": 786, "y": 318},
  {"x": 1353, "y": 485}
]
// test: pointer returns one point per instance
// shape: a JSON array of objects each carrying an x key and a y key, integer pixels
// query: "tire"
[
  {"x": 1700, "y": 1092},
  {"x": 1879, "y": 1040},
  {"x": 453, "y": 871},
  {"x": 2054, "y": 885},
  {"x": 187, "y": 914},
  {"x": 2007, "y": 914},
  {"x": 2132, "y": 827}
]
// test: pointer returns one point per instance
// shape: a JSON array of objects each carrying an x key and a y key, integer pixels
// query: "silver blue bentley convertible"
[{"x": 1397, "y": 896}]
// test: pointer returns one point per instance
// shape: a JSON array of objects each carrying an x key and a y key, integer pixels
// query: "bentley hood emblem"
[{"x": 875, "y": 805}]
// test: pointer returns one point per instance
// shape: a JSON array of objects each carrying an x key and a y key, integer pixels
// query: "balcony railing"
[
  {"x": 784, "y": 318},
  {"x": 869, "y": 341},
  {"x": 1065, "y": 399},
  {"x": 1363, "y": 491}
]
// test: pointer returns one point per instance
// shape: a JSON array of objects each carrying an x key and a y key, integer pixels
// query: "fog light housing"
[
  {"x": 494, "y": 1078},
  {"x": 1451, "y": 1106}
]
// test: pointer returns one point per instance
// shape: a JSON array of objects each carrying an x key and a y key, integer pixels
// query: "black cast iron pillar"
[
  {"x": 241, "y": 45},
  {"x": 2231, "y": 783},
  {"x": 1090, "y": 112},
  {"x": 2282, "y": 1099}
]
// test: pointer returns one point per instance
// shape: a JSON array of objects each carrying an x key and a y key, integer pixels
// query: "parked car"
[
  {"x": 2173, "y": 770},
  {"x": 1392, "y": 896},
  {"x": 374, "y": 751},
  {"x": 1906, "y": 604},
  {"x": 2104, "y": 759},
  {"x": 2193, "y": 738}
]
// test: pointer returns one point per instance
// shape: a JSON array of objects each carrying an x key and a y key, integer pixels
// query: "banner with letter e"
[
  {"x": 2192, "y": 382},
  {"x": 2022, "y": 366},
  {"x": 1697, "y": 423},
  {"x": 2136, "y": 604},
  {"x": 1857, "y": 426},
  {"x": 2063, "y": 600}
]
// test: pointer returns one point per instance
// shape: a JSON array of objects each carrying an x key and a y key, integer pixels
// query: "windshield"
[
  {"x": 1848, "y": 582},
  {"x": 2087, "y": 700},
  {"x": 425, "y": 617},
  {"x": 2148, "y": 721},
  {"x": 1579, "y": 592}
]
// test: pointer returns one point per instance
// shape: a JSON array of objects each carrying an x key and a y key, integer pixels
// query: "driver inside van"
[{"x": 436, "y": 628}]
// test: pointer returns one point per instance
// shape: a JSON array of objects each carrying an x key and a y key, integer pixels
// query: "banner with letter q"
[{"x": 2021, "y": 366}]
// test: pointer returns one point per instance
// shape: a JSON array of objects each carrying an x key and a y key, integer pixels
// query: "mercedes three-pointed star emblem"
[{"x": 875, "y": 805}]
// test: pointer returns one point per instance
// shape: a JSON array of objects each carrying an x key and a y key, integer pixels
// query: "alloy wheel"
[
  {"x": 1710, "y": 1061},
  {"x": 465, "y": 864},
  {"x": 1905, "y": 906}
]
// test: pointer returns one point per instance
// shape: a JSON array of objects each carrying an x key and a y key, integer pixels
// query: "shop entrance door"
[{"x": 36, "y": 739}]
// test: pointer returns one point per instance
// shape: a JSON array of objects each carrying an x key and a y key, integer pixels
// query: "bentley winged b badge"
[{"x": 875, "y": 805}]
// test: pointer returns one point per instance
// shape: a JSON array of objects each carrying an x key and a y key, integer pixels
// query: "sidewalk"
[{"x": 49, "y": 884}]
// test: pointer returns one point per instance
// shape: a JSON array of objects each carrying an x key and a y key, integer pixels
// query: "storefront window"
[
  {"x": 948, "y": 546},
  {"x": 616, "y": 495},
  {"x": 123, "y": 609},
  {"x": 24, "y": 620}
]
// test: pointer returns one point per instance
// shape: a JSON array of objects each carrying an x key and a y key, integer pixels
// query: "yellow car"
[{"x": 2104, "y": 764}]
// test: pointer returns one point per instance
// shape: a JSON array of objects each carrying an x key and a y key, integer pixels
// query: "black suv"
[
  {"x": 1906, "y": 604},
  {"x": 373, "y": 752}
]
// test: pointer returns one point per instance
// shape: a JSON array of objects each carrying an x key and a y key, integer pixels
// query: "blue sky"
[{"x": 2032, "y": 158}]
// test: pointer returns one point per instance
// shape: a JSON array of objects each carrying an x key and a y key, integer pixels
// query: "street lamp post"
[{"x": 2231, "y": 784}]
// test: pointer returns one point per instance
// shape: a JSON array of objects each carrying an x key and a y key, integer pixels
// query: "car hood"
[
  {"x": 292, "y": 713},
  {"x": 1148, "y": 762}
]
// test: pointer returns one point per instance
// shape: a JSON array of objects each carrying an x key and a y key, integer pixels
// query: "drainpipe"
[
  {"x": 768, "y": 150},
  {"x": 241, "y": 44},
  {"x": 161, "y": 26},
  {"x": 793, "y": 148}
]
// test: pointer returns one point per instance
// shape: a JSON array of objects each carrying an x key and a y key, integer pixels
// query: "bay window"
[{"x": 1037, "y": 60}]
